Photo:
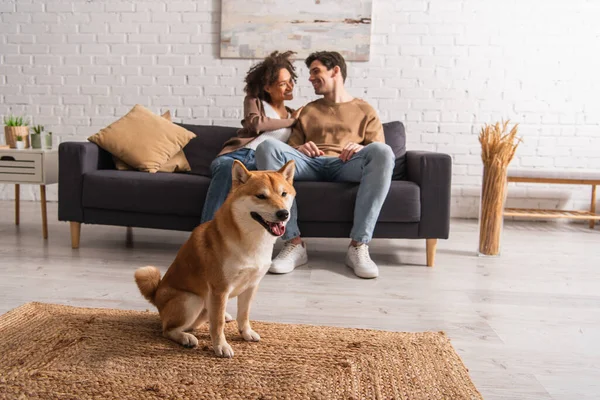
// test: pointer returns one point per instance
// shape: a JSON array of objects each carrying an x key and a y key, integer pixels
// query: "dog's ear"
[
  {"x": 239, "y": 174},
  {"x": 288, "y": 171}
]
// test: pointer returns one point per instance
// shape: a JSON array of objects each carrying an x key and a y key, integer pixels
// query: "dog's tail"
[{"x": 147, "y": 279}]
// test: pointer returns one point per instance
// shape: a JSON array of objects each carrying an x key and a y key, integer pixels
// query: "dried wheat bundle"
[{"x": 498, "y": 147}]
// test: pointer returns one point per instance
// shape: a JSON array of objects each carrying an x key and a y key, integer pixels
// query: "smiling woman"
[{"x": 269, "y": 84}]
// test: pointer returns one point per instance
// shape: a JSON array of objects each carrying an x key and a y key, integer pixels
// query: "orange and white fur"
[{"x": 223, "y": 258}]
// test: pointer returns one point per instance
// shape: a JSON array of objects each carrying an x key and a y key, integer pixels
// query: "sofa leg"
[
  {"x": 75, "y": 234},
  {"x": 129, "y": 237},
  {"x": 431, "y": 246},
  {"x": 593, "y": 207}
]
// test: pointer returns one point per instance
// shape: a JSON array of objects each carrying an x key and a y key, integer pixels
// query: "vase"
[
  {"x": 48, "y": 142},
  {"x": 491, "y": 209},
  {"x": 11, "y": 133},
  {"x": 36, "y": 141},
  {"x": 20, "y": 145}
]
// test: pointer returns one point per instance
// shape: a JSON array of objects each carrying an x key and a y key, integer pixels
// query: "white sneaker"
[
  {"x": 359, "y": 260},
  {"x": 290, "y": 257}
]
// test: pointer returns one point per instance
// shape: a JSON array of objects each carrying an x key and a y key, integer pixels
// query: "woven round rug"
[{"x": 61, "y": 352}]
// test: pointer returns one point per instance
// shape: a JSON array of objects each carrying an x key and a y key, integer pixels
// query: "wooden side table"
[
  {"x": 559, "y": 176},
  {"x": 29, "y": 166}
]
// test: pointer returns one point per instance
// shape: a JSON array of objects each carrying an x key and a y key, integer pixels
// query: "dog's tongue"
[{"x": 277, "y": 228}]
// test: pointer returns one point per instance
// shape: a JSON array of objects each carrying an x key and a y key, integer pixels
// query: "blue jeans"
[
  {"x": 372, "y": 167},
  {"x": 220, "y": 184}
]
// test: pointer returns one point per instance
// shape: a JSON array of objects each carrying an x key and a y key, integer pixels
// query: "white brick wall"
[{"x": 442, "y": 67}]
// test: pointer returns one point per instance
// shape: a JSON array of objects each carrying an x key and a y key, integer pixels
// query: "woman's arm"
[{"x": 255, "y": 122}]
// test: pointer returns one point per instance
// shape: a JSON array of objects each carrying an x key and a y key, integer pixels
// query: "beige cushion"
[
  {"x": 142, "y": 139},
  {"x": 176, "y": 164}
]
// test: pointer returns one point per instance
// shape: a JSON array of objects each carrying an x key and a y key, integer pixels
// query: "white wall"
[{"x": 442, "y": 67}]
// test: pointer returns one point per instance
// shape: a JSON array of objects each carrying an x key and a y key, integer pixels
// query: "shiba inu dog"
[{"x": 223, "y": 258}]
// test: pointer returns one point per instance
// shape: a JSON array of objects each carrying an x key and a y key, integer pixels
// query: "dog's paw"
[
  {"x": 223, "y": 350},
  {"x": 228, "y": 317},
  {"x": 188, "y": 340},
  {"x": 250, "y": 336}
]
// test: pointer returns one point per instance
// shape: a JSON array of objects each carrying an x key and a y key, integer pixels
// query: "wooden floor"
[{"x": 527, "y": 324}]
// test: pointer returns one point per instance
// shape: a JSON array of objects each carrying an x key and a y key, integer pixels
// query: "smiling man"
[{"x": 337, "y": 138}]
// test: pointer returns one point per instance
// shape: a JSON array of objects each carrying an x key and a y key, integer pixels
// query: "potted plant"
[
  {"x": 16, "y": 126},
  {"x": 36, "y": 137},
  {"x": 20, "y": 143},
  {"x": 48, "y": 139}
]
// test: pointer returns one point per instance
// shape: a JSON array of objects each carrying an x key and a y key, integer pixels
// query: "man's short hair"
[{"x": 329, "y": 59}]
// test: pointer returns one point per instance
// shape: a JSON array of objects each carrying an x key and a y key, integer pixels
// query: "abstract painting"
[{"x": 255, "y": 28}]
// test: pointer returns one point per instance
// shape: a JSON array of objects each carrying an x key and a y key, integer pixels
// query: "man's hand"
[
  {"x": 310, "y": 149},
  {"x": 349, "y": 150}
]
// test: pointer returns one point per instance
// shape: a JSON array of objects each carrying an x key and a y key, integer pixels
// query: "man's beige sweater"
[{"x": 333, "y": 125}]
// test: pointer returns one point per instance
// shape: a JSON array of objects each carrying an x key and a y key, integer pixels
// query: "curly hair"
[
  {"x": 266, "y": 73},
  {"x": 329, "y": 59}
]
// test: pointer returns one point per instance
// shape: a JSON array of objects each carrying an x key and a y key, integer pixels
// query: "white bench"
[{"x": 568, "y": 177}]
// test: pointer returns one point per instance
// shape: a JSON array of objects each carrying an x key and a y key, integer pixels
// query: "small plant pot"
[
  {"x": 36, "y": 141},
  {"x": 11, "y": 133},
  {"x": 20, "y": 145}
]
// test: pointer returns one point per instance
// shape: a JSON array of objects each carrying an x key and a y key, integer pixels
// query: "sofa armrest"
[
  {"x": 75, "y": 159},
  {"x": 433, "y": 173}
]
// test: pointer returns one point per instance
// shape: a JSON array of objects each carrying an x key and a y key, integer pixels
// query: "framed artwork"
[{"x": 255, "y": 28}]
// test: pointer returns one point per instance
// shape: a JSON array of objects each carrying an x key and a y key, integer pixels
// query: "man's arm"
[
  {"x": 373, "y": 130},
  {"x": 298, "y": 141},
  {"x": 297, "y": 138},
  {"x": 373, "y": 133}
]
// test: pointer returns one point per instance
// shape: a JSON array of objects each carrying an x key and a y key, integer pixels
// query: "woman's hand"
[
  {"x": 296, "y": 113},
  {"x": 310, "y": 149}
]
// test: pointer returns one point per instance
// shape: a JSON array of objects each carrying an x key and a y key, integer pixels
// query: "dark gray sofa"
[{"x": 92, "y": 191}]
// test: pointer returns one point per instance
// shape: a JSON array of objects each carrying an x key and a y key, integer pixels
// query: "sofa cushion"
[
  {"x": 202, "y": 150},
  {"x": 334, "y": 202},
  {"x": 395, "y": 137},
  {"x": 184, "y": 194},
  {"x": 178, "y": 163},
  {"x": 160, "y": 193},
  {"x": 142, "y": 139}
]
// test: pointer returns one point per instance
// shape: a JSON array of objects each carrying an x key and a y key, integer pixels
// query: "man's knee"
[
  {"x": 268, "y": 154},
  {"x": 269, "y": 146},
  {"x": 382, "y": 153}
]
